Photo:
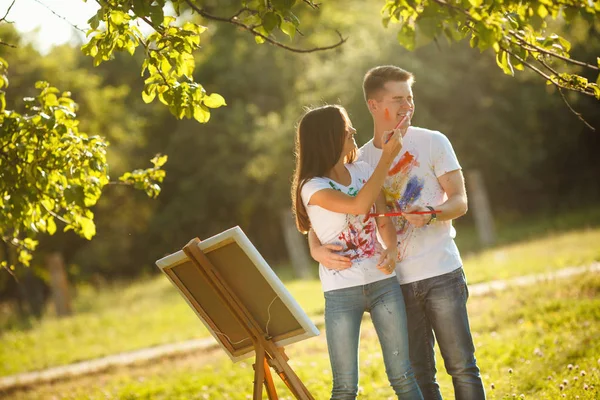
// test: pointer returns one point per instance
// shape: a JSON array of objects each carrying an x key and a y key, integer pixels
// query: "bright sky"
[{"x": 29, "y": 15}]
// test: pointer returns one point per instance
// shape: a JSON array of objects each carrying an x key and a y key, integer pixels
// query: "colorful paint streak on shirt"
[
  {"x": 401, "y": 191},
  {"x": 360, "y": 236}
]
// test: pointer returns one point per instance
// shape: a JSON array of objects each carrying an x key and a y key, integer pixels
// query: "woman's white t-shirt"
[{"x": 357, "y": 234}]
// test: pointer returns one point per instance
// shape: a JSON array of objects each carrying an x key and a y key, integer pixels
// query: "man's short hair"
[{"x": 376, "y": 78}]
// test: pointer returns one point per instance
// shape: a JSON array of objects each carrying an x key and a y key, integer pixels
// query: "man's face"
[{"x": 397, "y": 99}]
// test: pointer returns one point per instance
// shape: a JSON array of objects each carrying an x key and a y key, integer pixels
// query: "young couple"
[{"x": 405, "y": 270}]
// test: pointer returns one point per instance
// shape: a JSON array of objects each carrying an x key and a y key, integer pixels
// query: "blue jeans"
[
  {"x": 344, "y": 309},
  {"x": 439, "y": 305}
]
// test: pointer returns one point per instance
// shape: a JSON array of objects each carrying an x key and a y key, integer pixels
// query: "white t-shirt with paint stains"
[
  {"x": 357, "y": 234},
  {"x": 412, "y": 180}
]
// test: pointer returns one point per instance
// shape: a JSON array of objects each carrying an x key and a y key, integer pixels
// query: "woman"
[{"x": 331, "y": 194}]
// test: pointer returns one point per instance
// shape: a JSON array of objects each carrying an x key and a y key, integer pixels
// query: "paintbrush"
[
  {"x": 399, "y": 213},
  {"x": 408, "y": 114}
]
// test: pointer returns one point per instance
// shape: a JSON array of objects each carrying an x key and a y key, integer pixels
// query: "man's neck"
[{"x": 378, "y": 136}]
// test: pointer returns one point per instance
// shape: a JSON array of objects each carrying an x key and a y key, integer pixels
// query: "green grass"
[
  {"x": 116, "y": 319},
  {"x": 511, "y": 229},
  {"x": 544, "y": 334},
  {"x": 545, "y": 254},
  {"x": 150, "y": 312}
]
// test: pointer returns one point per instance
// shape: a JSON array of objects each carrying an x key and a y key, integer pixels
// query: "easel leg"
[
  {"x": 259, "y": 372},
  {"x": 289, "y": 377},
  {"x": 271, "y": 392}
]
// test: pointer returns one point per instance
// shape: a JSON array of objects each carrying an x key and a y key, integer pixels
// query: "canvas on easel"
[{"x": 242, "y": 303}]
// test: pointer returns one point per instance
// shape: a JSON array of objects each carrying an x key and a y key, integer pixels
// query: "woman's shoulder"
[{"x": 315, "y": 181}]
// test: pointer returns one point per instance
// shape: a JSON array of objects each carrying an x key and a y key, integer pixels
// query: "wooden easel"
[{"x": 268, "y": 355}]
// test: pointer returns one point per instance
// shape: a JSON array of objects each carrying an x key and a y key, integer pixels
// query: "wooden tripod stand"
[{"x": 268, "y": 355}]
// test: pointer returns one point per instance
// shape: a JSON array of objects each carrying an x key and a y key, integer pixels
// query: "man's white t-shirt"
[
  {"x": 412, "y": 180},
  {"x": 357, "y": 234}
]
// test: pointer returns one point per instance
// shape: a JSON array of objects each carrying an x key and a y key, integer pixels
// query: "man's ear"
[{"x": 372, "y": 104}]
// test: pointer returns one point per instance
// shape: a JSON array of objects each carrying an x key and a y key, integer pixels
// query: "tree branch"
[
  {"x": 541, "y": 73},
  {"x": 234, "y": 20},
  {"x": 577, "y": 114},
  {"x": 7, "y": 11},
  {"x": 548, "y": 78},
  {"x": 60, "y": 16},
  {"x": 7, "y": 44},
  {"x": 312, "y": 5},
  {"x": 538, "y": 49},
  {"x": 560, "y": 90}
]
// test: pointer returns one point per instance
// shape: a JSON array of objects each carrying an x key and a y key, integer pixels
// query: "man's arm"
[
  {"x": 325, "y": 254},
  {"x": 453, "y": 183},
  {"x": 385, "y": 226}
]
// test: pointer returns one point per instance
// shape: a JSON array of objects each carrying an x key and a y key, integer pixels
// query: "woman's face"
[{"x": 349, "y": 143}]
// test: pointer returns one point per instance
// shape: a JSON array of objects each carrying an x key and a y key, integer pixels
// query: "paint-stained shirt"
[
  {"x": 355, "y": 233},
  {"x": 413, "y": 180}
]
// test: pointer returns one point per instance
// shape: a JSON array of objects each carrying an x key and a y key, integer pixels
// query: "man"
[{"x": 425, "y": 177}]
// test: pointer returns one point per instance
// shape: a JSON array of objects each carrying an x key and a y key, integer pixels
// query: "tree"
[
  {"x": 51, "y": 172},
  {"x": 60, "y": 186},
  {"x": 517, "y": 31}
]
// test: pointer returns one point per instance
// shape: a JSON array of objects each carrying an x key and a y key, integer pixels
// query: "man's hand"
[
  {"x": 327, "y": 257},
  {"x": 416, "y": 220},
  {"x": 387, "y": 261}
]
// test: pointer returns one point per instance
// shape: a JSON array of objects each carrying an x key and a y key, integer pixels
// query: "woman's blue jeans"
[{"x": 344, "y": 309}]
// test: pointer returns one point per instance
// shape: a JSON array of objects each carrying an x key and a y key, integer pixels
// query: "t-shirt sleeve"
[
  {"x": 311, "y": 187},
  {"x": 443, "y": 157}
]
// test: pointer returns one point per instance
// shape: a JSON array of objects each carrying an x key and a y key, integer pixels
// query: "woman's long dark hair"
[{"x": 319, "y": 144}]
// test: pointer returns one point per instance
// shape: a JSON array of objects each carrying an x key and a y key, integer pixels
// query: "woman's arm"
[{"x": 336, "y": 201}]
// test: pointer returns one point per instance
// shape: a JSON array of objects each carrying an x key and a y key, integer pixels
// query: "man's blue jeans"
[
  {"x": 439, "y": 305},
  {"x": 344, "y": 309}
]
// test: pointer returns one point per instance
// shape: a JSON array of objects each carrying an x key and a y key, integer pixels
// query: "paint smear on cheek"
[{"x": 387, "y": 114}]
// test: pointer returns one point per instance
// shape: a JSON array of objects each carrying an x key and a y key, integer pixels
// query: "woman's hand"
[
  {"x": 387, "y": 260},
  {"x": 393, "y": 145}
]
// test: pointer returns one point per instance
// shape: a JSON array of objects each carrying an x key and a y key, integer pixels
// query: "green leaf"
[
  {"x": 50, "y": 226},
  {"x": 148, "y": 97},
  {"x": 270, "y": 21},
  {"x": 475, "y": 3},
  {"x": 157, "y": 15},
  {"x": 140, "y": 8},
  {"x": 201, "y": 114},
  {"x": 94, "y": 22},
  {"x": 406, "y": 37},
  {"x": 117, "y": 17},
  {"x": 283, "y": 5},
  {"x": 215, "y": 100},
  {"x": 542, "y": 11},
  {"x": 474, "y": 41},
  {"x": 159, "y": 160},
  {"x": 503, "y": 61},
  {"x": 427, "y": 30},
  {"x": 88, "y": 228},
  {"x": 288, "y": 28}
]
